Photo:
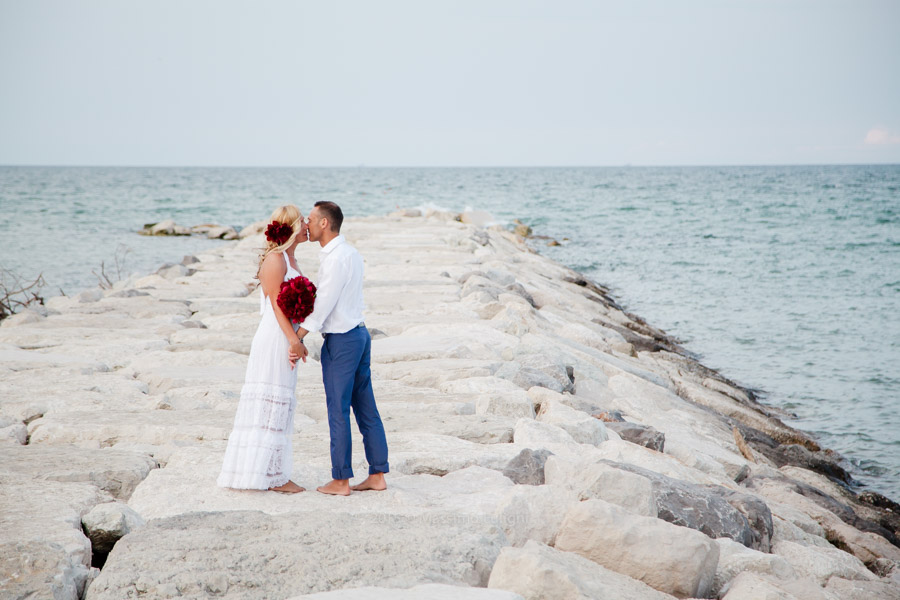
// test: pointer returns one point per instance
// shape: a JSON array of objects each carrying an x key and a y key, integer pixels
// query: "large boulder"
[
  {"x": 250, "y": 553},
  {"x": 735, "y": 558},
  {"x": 539, "y": 572},
  {"x": 537, "y": 434},
  {"x": 533, "y": 512},
  {"x": 583, "y": 428},
  {"x": 854, "y": 589},
  {"x": 675, "y": 560},
  {"x": 703, "y": 509},
  {"x": 753, "y": 586},
  {"x": 603, "y": 481},
  {"x": 821, "y": 563}
]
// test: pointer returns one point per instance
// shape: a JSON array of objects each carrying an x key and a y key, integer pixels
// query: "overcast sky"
[{"x": 482, "y": 83}]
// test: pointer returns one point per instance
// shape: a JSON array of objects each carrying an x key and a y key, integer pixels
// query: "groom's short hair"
[{"x": 333, "y": 213}]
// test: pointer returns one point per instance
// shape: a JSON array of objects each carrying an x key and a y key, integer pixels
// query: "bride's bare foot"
[
  {"x": 372, "y": 482},
  {"x": 289, "y": 488},
  {"x": 336, "y": 487}
]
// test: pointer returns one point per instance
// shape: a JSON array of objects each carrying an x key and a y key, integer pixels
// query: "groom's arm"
[{"x": 331, "y": 282}]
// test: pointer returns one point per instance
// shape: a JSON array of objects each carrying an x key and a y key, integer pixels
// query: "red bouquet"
[{"x": 296, "y": 298}]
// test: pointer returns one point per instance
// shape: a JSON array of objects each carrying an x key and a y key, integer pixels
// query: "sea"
[{"x": 786, "y": 279}]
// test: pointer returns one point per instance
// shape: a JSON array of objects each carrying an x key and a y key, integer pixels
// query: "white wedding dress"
[{"x": 259, "y": 454}]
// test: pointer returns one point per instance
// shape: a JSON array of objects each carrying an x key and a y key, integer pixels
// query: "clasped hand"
[{"x": 297, "y": 352}]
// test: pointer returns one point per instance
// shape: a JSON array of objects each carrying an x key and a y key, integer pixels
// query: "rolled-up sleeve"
[{"x": 333, "y": 276}]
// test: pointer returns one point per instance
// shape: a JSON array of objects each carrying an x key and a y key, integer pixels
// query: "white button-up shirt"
[{"x": 339, "y": 298}]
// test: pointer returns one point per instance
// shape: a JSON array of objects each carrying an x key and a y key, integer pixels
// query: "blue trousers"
[{"x": 348, "y": 383}]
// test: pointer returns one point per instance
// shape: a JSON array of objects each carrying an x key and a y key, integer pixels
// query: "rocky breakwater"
[{"x": 544, "y": 444}]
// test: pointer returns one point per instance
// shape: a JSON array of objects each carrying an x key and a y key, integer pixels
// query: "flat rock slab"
[
  {"x": 431, "y": 591},
  {"x": 254, "y": 555},
  {"x": 43, "y": 551},
  {"x": 115, "y": 471},
  {"x": 109, "y": 428}
]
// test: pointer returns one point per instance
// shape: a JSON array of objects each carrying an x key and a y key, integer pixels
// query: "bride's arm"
[{"x": 271, "y": 275}]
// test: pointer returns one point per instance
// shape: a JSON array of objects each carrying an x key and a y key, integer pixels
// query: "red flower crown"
[{"x": 278, "y": 233}]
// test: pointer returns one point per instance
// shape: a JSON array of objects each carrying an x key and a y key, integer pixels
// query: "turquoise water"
[{"x": 787, "y": 279}]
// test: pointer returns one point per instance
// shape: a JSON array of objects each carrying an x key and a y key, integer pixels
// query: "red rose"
[
  {"x": 296, "y": 298},
  {"x": 278, "y": 233}
]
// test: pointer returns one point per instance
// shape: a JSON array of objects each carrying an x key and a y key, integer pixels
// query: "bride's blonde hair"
[{"x": 289, "y": 215}]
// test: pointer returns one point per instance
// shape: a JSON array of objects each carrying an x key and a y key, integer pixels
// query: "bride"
[{"x": 259, "y": 455}]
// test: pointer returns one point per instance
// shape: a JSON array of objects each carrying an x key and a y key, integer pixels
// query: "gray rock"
[
  {"x": 822, "y": 462},
  {"x": 690, "y": 505},
  {"x": 106, "y": 523},
  {"x": 193, "y": 324},
  {"x": 129, "y": 293},
  {"x": 189, "y": 259},
  {"x": 175, "y": 271},
  {"x": 527, "y": 467},
  {"x": 642, "y": 435},
  {"x": 248, "y": 554},
  {"x": 518, "y": 289},
  {"x": 755, "y": 511}
]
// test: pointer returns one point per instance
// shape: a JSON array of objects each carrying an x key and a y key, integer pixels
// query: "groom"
[{"x": 337, "y": 313}]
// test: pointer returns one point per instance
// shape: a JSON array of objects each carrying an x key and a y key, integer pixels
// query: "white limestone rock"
[
  {"x": 750, "y": 586},
  {"x": 528, "y": 512},
  {"x": 14, "y": 434},
  {"x": 735, "y": 558},
  {"x": 854, "y": 589},
  {"x": 539, "y": 572},
  {"x": 242, "y": 553},
  {"x": 43, "y": 550},
  {"x": 583, "y": 428},
  {"x": 35, "y": 569},
  {"x": 117, "y": 472},
  {"x": 157, "y": 427},
  {"x": 672, "y": 559},
  {"x": 106, "y": 523},
  {"x": 431, "y": 591},
  {"x": 536, "y": 434},
  {"x": 626, "y": 452},
  {"x": 590, "y": 479},
  {"x": 506, "y": 405},
  {"x": 821, "y": 563}
]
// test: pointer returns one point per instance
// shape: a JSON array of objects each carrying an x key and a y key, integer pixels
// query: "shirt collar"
[{"x": 332, "y": 244}]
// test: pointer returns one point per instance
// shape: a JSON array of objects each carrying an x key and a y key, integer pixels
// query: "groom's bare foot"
[
  {"x": 336, "y": 487},
  {"x": 288, "y": 488},
  {"x": 374, "y": 482}
]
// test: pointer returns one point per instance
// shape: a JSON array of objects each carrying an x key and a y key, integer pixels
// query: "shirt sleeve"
[{"x": 333, "y": 276}]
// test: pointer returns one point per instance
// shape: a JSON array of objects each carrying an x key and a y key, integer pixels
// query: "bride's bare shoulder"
[{"x": 273, "y": 264}]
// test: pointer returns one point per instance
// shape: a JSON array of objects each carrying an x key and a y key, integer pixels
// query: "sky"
[{"x": 461, "y": 83}]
